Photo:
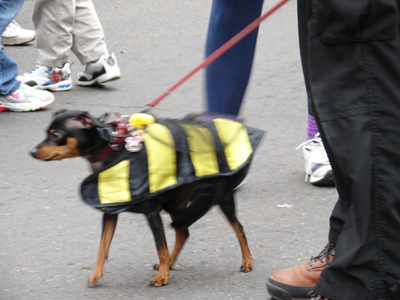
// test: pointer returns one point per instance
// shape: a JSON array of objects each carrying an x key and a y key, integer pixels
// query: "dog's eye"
[{"x": 56, "y": 136}]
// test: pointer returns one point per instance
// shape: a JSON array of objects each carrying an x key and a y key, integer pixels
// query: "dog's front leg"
[
  {"x": 109, "y": 225},
  {"x": 157, "y": 228}
]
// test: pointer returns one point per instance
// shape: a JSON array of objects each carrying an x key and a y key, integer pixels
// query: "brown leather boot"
[{"x": 298, "y": 281}]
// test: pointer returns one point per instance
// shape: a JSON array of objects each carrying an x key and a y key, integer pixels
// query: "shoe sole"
[
  {"x": 326, "y": 180},
  {"x": 62, "y": 86},
  {"x": 100, "y": 80},
  {"x": 56, "y": 88},
  {"x": 25, "y": 108},
  {"x": 287, "y": 292},
  {"x": 6, "y": 42}
]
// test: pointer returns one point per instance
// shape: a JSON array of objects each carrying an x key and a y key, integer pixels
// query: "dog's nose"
[{"x": 33, "y": 152}]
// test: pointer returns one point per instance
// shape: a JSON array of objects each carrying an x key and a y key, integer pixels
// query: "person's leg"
[
  {"x": 364, "y": 102},
  {"x": 53, "y": 20},
  {"x": 88, "y": 36},
  {"x": 365, "y": 164},
  {"x": 90, "y": 48},
  {"x": 15, "y": 96},
  {"x": 312, "y": 128},
  {"x": 8, "y": 67},
  {"x": 340, "y": 211},
  {"x": 228, "y": 76},
  {"x": 299, "y": 280},
  {"x": 317, "y": 166}
]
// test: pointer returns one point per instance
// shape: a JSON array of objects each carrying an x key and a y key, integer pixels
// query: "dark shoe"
[{"x": 298, "y": 281}]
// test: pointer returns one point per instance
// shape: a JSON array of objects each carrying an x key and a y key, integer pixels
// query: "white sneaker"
[
  {"x": 15, "y": 35},
  {"x": 26, "y": 99},
  {"x": 47, "y": 78},
  {"x": 317, "y": 166},
  {"x": 2, "y": 108},
  {"x": 102, "y": 70}
]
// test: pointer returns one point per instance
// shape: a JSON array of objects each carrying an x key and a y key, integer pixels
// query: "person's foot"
[
  {"x": 47, "y": 78},
  {"x": 100, "y": 71},
  {"x": 299, "y": 281},
  {"x": 15, "y": 35},
  {"x": 26, "y": 99},
  {"x": 317, "y": 166}
]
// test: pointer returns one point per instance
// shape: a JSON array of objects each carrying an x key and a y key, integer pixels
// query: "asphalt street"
[{"x": 49, "y": 237}]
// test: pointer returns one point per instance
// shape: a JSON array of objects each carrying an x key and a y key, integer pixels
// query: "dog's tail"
[{"x": 208, "y": 194}]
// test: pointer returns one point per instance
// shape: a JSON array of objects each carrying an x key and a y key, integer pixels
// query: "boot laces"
[
  {"x": 315, "y": 296},
  {"x": 323, "y": 256}
]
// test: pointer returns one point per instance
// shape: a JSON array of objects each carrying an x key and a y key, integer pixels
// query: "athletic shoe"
[
  {"x": 102, "y": 70},
  {"x": 47, "y": 78},
  {"x": 317, "y": 166},
  {"x": 299, "y": 281},
  {"x": 15, "y": 35},
  {"x": 2, "y": 108},
  {"x": 26, "y": 99}
]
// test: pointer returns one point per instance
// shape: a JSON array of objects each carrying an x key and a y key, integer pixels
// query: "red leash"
[{"x": 221, "y": 50}]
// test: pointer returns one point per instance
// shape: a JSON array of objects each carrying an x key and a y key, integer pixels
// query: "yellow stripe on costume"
[
  {"x": 161, "y": 157},
  {"x": 113, "y": 184},
  {"x": 202, "y": 150},
  {"x": 234, "y": 135}
]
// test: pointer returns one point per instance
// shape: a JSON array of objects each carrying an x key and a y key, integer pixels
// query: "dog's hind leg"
[
  {"x": 182, "y": 197},
  {"x": 109, "y": 225},
  {"x": 180, "y": 238},
  {"x": 228, "y": 208},
  {"x": 157, "y": 228}
]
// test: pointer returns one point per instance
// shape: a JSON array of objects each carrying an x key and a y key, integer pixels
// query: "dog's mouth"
[
  {"x": 54, "y": 157},
  {"x": 47, "y": 158},
  {"x": 44, "y": 155}
]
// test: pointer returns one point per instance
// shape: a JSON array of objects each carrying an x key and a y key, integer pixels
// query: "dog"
[{"x": 187, "y": 195}]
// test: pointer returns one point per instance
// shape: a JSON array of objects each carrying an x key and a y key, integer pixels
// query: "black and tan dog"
[{"x": 180, "y": 166}]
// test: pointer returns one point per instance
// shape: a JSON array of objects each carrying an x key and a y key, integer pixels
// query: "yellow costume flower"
[{"x": 141, "y": 120}]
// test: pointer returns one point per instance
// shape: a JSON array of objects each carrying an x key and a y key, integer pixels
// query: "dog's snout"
[{"x": 33, "y": 152}]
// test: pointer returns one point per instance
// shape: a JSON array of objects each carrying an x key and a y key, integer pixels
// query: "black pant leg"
[{"x": 352, "y": 73}]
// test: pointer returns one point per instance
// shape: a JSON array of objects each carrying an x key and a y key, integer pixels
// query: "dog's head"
[{"x": 72, "y": 133}]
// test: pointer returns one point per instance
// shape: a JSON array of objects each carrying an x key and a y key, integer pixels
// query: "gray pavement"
[{"x": 49, "y": 238}]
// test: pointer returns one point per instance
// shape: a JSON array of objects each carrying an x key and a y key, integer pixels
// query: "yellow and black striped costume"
[{"x": 174, "y": 153}]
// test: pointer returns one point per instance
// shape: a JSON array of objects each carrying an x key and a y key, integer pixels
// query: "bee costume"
[{"x": 173, "y": 153}]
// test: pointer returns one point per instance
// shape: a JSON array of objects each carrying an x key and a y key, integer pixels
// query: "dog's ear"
[
  {"x": 103, "y": 118},
  {"x": 59, "y": 112},
  {"x": 89, "y": 121}
]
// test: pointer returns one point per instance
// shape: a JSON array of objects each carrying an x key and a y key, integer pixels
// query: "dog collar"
[{"x": 106, "y": 151}]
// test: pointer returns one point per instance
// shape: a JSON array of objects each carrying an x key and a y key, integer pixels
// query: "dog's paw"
[
  {"x": 247, "y": 265},
  {"x": 160, "y": 280},
  {"x": 94, "y": 279}
]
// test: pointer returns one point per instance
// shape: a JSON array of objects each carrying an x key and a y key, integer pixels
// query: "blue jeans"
[
  {"x": 8, "y": 67},
  {"x": 228, "y": 76}
]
